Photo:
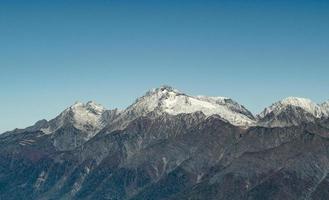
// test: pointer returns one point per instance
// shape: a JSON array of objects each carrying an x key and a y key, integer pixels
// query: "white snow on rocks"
[
  {"x": 305, "y": 104},
  {"x": 86, "y": 117},
  {"x": 169, "y": 100},
  {"x": 87, "y": 114}
]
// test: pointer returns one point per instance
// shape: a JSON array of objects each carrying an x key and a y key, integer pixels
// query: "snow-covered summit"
[
  {"x": 169, "y": 100},
  {"x": 90, "y": 108},
  {"x": 303, "y": 103},
  {"x": 87, "y": 114},
  {"x": 291, "y": 111},
  {"x": 83, "y": 116}
]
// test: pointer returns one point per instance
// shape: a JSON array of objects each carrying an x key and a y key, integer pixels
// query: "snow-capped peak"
[
  {"x": 303, "y": 103},
  {"x": 90, "y": 107},
  {"x": 169, "y": 100},
  {"x": 83, "y": 116},
  {"x": 87, "y": 114}
]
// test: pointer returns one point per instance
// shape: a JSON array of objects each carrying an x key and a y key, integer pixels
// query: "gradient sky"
[{"x": 53, "y": 53}]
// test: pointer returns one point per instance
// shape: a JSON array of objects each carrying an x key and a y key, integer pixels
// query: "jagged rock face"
[{"x": 169, "y": 145}]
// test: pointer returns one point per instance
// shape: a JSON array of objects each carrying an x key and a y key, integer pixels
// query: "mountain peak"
[
  {"x": 85, "y": 113},
  {"x": 290, "y": 111},
  {"x": 296, "y": 101},
  {"x": 89, "y": 107},
  {"x": 303, "y": 103},
  {"x": 83, "y": 116},
  {"x": 166, "y": 99}
]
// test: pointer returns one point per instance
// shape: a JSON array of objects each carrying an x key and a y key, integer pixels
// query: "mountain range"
[{"x": 170, "y": 145}]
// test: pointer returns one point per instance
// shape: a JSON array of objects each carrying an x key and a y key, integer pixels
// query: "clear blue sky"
[{"x": 53, "y": 53}]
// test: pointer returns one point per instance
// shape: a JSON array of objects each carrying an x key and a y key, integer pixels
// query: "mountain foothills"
[{"x": 169, "y": 145}]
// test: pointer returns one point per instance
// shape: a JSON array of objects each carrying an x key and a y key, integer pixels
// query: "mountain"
[
  {"x": 171, "y": 101},
  {"x": 85, "y": 117},
  {"x": 169, "y": 145},
  {"x": 74, "y": 126},
  {"x": 291, "y": 111}
]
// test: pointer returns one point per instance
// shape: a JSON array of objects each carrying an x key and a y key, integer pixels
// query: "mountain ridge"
[
  {"x": 172, "y": 101},
  {"x": 146, "y": 152}
]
